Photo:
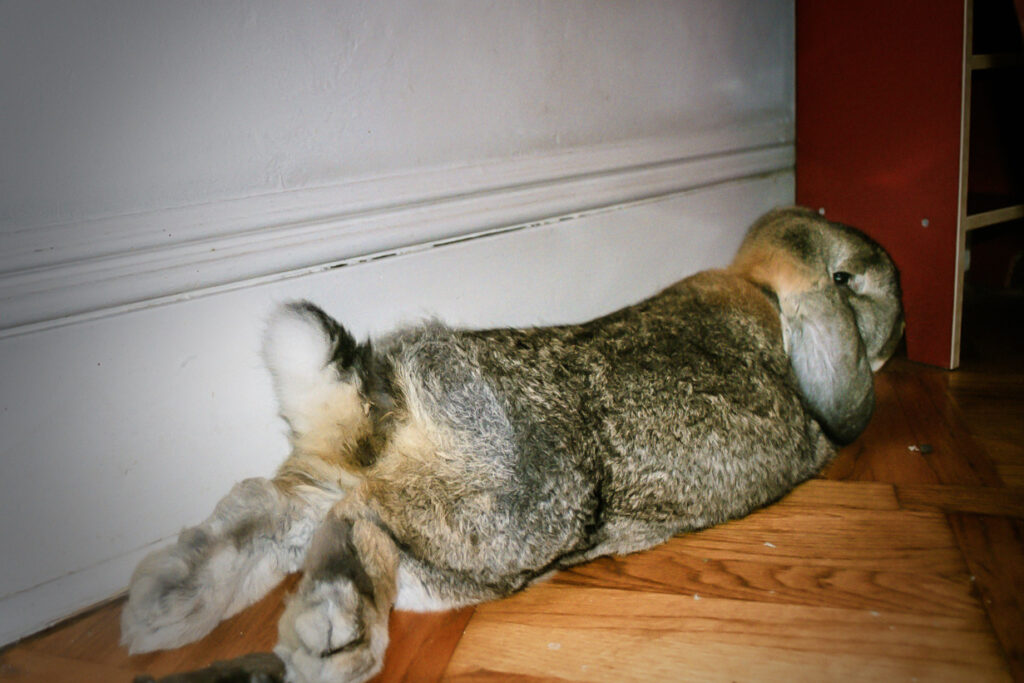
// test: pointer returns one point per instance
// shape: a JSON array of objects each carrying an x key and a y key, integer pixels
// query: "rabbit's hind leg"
[
  {"x": 336, "y": 625},
  {"x": 256, "y": 535}
]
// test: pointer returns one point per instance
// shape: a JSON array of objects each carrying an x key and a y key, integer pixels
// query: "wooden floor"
[{"x": 904, "y": 562}]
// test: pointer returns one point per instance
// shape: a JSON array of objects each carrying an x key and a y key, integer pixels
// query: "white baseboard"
[{"x": 59, "y": 274}]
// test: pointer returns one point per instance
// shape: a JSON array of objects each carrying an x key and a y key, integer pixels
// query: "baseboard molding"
[{"x": 55, "y": 274}]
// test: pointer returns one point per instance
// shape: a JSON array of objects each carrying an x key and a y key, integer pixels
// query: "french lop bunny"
[{"x": 441, "y": 467}]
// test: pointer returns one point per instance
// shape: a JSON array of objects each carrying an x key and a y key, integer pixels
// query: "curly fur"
[{"x": 443, "y": 466}]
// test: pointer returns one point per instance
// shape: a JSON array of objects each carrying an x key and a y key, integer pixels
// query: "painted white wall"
[
  {"x": 170, "y": 170},
  {"x": 118, "y": 106}
]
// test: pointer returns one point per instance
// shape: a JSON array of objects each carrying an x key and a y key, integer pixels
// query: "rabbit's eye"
[{"x": 841, "y": 277}]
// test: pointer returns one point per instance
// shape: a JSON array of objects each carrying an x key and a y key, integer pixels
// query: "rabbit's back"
[
  {"x": 702, "y": 415},
  {"x": 547, "y": 446}
]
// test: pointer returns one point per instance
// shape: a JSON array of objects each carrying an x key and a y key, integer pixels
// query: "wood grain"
[
  {"x": 598, "y": 634},
  {"x": 806, "y": 555},
  {"x": 23, "y": 664},
  {"x": 422, "y": 644},
  {"x": 994, "y": 549},
  {"x": 1005, "y": 502}
]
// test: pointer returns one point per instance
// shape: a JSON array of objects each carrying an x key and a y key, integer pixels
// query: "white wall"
[
  {"x": 170, "y": 170},
  {"x": 114, "y": 107}
]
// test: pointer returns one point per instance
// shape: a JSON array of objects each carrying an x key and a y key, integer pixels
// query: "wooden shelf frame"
[
  {"x": 1000, "y": 60},
  {"x": 993, "y": 217}
]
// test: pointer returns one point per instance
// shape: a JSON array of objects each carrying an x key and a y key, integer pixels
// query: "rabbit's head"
[{"x": 838, "y": 295}]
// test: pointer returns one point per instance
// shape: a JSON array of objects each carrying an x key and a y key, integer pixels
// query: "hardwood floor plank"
[
  {"x": 992, "y": 404},
  {"x": 900, "y": 540},
  {"x": 955, "y": 457},
  {"x": 992, "y": 392},
  {"x": 421, "y": 644},
  {"x": 826, "y": 556},
  {"x": 602, "y": 634},
  {"x": 1006, "y": 502},
  {"x": 878, "y": 589},
  {"x": 866, "y": 495},
  {"x": 27, "y": 666},
  {"x": 994, "y": 548},
  {"x": 1008, "y": 457}
]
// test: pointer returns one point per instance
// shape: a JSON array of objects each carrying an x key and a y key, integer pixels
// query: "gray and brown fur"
[{"x": 442, "y": 467}]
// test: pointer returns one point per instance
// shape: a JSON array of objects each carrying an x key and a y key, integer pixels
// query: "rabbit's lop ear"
[{"x": 838, "y": 296}]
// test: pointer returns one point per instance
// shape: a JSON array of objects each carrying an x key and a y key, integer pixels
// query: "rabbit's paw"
[
  {"x": 176, "y": 594},
  {"x": 332, "y": 632}
]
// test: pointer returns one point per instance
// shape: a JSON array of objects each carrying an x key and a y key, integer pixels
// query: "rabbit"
[{"x": 440, "y": 467}]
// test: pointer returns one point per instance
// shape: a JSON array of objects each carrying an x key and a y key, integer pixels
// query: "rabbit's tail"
[{"x": 320, "y": 375}]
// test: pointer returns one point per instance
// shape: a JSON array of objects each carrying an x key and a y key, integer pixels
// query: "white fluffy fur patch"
[
  {"x": 296, "y": 347},
  {"x": 297, "y": 350},
  {"x": 322, "y": 405}
]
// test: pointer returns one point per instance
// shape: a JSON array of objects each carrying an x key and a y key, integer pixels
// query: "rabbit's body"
[
  {"x": 445, "y": 467},
  {"x": 545, "y": 447}
]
